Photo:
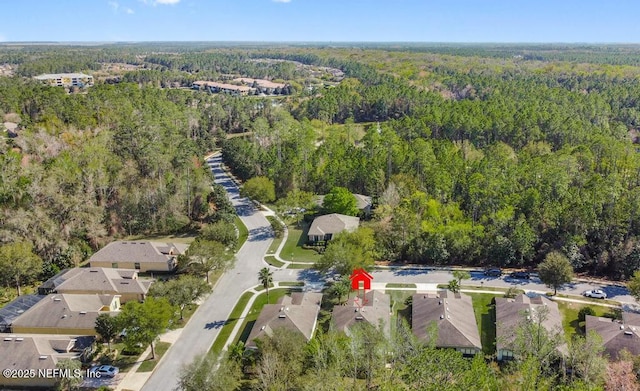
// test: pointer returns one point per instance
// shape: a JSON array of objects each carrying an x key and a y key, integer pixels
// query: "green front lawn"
[
  {"x": 293, "y": 251},
  {"x": 271, "y": 260},
  {"x": 252, "y": 316},
  {"x": 227, "y": 328},
  {"x": 485, "y": 312},
  {"x": 148, "y": 364},
  {"x": 569, "y": 312},
  {"x": 243, "y": 232}
]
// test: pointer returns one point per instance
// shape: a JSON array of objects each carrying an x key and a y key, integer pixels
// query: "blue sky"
[{"x": 322, "y": 20}]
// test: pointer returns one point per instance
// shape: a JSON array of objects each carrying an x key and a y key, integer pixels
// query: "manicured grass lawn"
[
  {"x": 293, "y": 251},
  {"x": 243, "y": 232},
  {"x": 400, "y": 285},
  {"x": 274, "y": 245},
  {"x": 149, "y": 364},
  {"x": 399, "y": 308},
  {"x": 271, "y": 260},
  {"x": 230, "y": 323},
  {"x": 569, "y": 312},
  {"x": 123, "y": 361},
  {"x": 485, "y": 313},
  {"x": 260, "y": 301},
  {"x": 300, "y": 266}
]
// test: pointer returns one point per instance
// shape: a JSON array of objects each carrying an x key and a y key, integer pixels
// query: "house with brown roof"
[
  {"x": 510, "y": 313},
  {"x": 323, "y": 228},
  {"x": 373, "y": 309},
  {"x": 452, "y": 318},
  {"x": 65, "y": 314},
  {"x": 224, "y": 88},
  {"x": 39, "y": 353},
  {"x": 297, "y": 312},
  {"x": 617, "y": 335},
  {"x": 139, "y": 255},
  {"x": 122, "y": 282}
]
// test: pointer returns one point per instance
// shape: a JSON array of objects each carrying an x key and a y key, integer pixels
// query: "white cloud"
[
  {"x": 3, "y": 37},
  {"x": 129, "y": 11},
  {"x": 282, "y": 1},
  {"x": 165, "y": 2}
]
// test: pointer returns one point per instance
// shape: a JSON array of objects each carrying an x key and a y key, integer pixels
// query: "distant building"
[
  {"x": 215, "y": 87},
  {"x": 453, "y": 319},
  {"x": 297, "y": 312},
  {"x": 617, "y": 335},
  {"x": 510, "y": 313},
  {"x": 89, "y": 280},
  {"x": 323, "y": 228},
  {"x": 139, "y": 255},
  {"x": 374, "y": 309},
  {"x": 260, "y": 83},
  {"x": 40, "y": 353},
  {"x": 65, "y": 314},
  {"x": 66, "y": 79}
]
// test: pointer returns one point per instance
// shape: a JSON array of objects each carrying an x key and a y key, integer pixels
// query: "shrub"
[{"x": 584, "y": 311}]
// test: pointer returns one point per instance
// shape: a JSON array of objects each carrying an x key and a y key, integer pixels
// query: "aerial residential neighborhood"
[{"x": 289, "y": 195}]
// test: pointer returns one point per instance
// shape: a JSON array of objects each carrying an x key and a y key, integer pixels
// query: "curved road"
[{"x": 205, "y": 324}]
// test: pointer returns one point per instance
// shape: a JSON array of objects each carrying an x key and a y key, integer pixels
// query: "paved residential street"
[{"x": 204, "y": 326}]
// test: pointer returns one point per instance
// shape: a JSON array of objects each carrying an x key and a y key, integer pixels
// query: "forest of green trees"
[{"x": 473, "y": 155}]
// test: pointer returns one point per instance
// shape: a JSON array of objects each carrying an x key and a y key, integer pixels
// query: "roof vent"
[
  {"x": 440, "y": 302},
  {"x": 7, "y": 339},
  {"x": 43, "y": 357},
  {"x": 83, "y": 312},
  {"x": 359, "y": 317},
  {"x": 281, "y": 316},
  {"x": 64, "y": 316},
  {"x": 448, "y": 316},
  {"x": 281, "y": 309},
  {"x": 93, "y": 271},
  {"x": 286, "y": 309},
  {"x": 357, "y": 309},
  {"x": 621, "y": 327},
  {"x": 263, "y": 327},
  {"x": 56, "y": 299},
  {"x": 19, "y": 339},
  {"x": 447, "y": 309},
  {"x": 441, "y": 316},
  {"x": 628, "y": 332}
]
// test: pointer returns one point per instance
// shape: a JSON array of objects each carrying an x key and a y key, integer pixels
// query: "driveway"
[{"x": 203, "y": 328}]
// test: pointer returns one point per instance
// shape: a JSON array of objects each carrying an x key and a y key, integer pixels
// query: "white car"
[
  {"x": 105, "y": 370},
  {"x": 596, "y": 294}
]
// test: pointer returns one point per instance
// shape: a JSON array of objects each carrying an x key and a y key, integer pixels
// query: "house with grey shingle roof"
[
  {"x": 298, "y": 312},
  {"x": 452, "y": 318},
  {"x": 510, "y": 313},
  {"x": 65, "y": 314},
  {"x": 139, "y": 255},
  {"x": 617, "y": 335},
  {"x": 373, "y": 309},
  {"x": 122, "y": 282},
  {"x": 39, "y": 352},
  {"x": 325, "y": 227}
]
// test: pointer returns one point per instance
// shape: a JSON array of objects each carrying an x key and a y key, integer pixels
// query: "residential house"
[
  {"x": 17, "y": 307},
  {"x": 323, "y": 228},
  {"x": 122, "y": 282},
  {"x": 510, "y": 313},
  {"x": 39, "y": 353},
  {"x": 139, "y": 255},
  {"x": 297, "y": 312},
  {"x": 66, "y": 79},
  {"x": 65, "y": 314},
  {"x": 617, "y": 335},
  {"x": 374, "y": 309},
  {"x": 452, "y": 318}
]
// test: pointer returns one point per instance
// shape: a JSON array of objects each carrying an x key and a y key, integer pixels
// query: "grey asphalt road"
[
  {"x": 204, "y": 326},
  {"x": 413, "y": 276}
]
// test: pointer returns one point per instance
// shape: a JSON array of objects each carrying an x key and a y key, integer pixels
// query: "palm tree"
[{"x": 266, "y": 278}]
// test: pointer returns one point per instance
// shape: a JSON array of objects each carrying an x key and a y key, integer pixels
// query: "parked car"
[
  {"x": 596, "y": 294},
  {"x": 520, "y": 275},
  {"x": 493, "y": 272},
  {"x": 106, "y": 370}
]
